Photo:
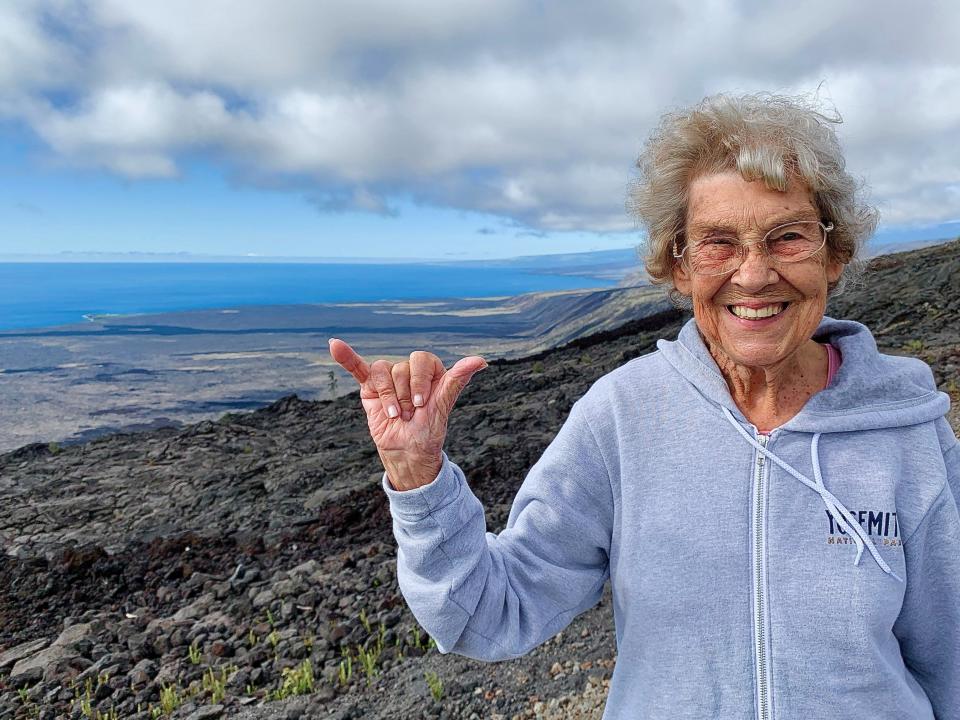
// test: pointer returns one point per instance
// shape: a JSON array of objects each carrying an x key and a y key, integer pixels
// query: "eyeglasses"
[{"x": 721, "y": 254}]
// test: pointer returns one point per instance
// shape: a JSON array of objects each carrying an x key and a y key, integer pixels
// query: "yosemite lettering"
[{"x": 877, "y": 522}]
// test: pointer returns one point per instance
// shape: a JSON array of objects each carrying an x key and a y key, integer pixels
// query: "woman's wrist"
[{"x": 408, "y": 472}]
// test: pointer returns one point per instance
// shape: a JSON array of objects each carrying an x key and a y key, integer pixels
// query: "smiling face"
[{"x": 791, "y": 298}]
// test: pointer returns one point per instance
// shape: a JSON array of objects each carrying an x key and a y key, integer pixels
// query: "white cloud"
[{"x": 534, "y": 111}]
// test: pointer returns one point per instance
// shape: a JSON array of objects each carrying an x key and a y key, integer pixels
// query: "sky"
[{"x": 429, "y": 128}]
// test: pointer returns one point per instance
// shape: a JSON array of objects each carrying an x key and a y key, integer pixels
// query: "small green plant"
[
  {"x": 308, "y": 641},
  {"x": 169, "y": 699},
  {"x": 296, "y": 681},
  {"x": 54, "y": 448},
  {"x": 274, "y": 638},
  {"x": 85, "y": 699},
  {"x": 913, "y": 346},
  {"x": 364, "y": 620},
  {"x": 418, "y": 639},
  {"x": 435, "y": 684},
  {"x": 370, "y": 657},
  {"x": 346, "y": 666},
  {"x": 216, "y": 683},
  {"x": 537, "y": 367},
  {"x": 332, "y": 383},
  {"x": 193, "y": 652},
  {"x": 251, "y": 638},
  {"x": 270, "y": 619}
]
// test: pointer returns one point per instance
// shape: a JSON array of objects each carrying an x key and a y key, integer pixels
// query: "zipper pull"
[{"x": 762, "y": 439}]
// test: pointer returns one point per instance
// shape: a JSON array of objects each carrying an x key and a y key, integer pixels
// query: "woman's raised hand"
[{"x": 407, "y": 405}]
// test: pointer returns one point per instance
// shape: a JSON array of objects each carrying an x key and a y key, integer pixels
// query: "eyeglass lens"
[{"x": 719, "y": 254}]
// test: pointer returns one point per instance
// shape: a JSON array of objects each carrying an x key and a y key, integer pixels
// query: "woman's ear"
[
  {"x": 834, "y": 271},
  {"x": 681, "y": 279}
]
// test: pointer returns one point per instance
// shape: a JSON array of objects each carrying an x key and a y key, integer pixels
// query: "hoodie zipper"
[{"x": 760, "y": 622}]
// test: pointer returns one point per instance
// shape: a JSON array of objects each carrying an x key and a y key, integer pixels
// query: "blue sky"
[
  {"x": 52, "y": 208},
  {"x": 447, "y": 130}
]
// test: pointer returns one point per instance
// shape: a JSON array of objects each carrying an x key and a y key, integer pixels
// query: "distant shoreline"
[
  {"x": 41, "y": 296},
  {"x": 116, "y": 373}
]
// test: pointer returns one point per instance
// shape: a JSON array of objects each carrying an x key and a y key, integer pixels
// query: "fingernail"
[
  {"x": 418, "y": 400},
  {"x": 392, "y": 411}
]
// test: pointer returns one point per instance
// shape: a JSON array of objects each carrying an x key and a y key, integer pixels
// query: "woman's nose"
[{"x": 755, "y": 269}]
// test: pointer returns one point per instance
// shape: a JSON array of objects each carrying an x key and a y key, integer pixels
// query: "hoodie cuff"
[{"x": 418, "y": 503}]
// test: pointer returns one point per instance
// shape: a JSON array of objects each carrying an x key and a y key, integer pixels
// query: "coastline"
[{"x": 122, "y": 373}]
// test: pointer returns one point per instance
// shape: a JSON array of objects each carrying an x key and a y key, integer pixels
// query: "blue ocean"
[{"x": 36, "y": 295}]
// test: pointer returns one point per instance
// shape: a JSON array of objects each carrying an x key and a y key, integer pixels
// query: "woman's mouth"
[{"x": 757, "y": 313}]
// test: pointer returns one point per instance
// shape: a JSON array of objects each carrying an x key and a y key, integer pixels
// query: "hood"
[{"x": 870, "y": 390}]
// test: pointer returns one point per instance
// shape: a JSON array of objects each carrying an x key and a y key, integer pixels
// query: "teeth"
[{"x": 754, "y": 313}]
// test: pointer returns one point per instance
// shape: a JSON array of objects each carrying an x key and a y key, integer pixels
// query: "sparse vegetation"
[
  {"x": 296, "y": 681},
  {"x": 435, "y": 684},
  {"x": 346, "y": 666},
  {"x": 215, "y": 683},
  {"x": 170, "y": 699},
  {"x": 193, "y": 653}
]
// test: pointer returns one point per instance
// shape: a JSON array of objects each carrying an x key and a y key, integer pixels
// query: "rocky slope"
[{"x": 245, "y": 567}]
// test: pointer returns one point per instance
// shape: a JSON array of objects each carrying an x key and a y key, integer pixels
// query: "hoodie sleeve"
[
  {"x": 928, "y": 627},
  {"x": 496, "y": 596}
]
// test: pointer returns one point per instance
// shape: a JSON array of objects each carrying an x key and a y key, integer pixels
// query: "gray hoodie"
[{"x": 814, "y": 573}]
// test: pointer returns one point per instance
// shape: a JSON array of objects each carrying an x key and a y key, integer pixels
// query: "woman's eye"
[{"x": 789, "y": 236}]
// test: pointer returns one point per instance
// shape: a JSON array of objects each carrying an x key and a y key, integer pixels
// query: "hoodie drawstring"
[{"x": 835, "y": 508}]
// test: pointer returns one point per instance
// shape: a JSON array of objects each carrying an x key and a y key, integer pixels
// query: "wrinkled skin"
[
  {"x": 771, "y": 370},
  {"x": 408, "y": 405}
]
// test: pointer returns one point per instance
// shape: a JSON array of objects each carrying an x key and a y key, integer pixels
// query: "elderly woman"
[{"x": 772, "y": 499}]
